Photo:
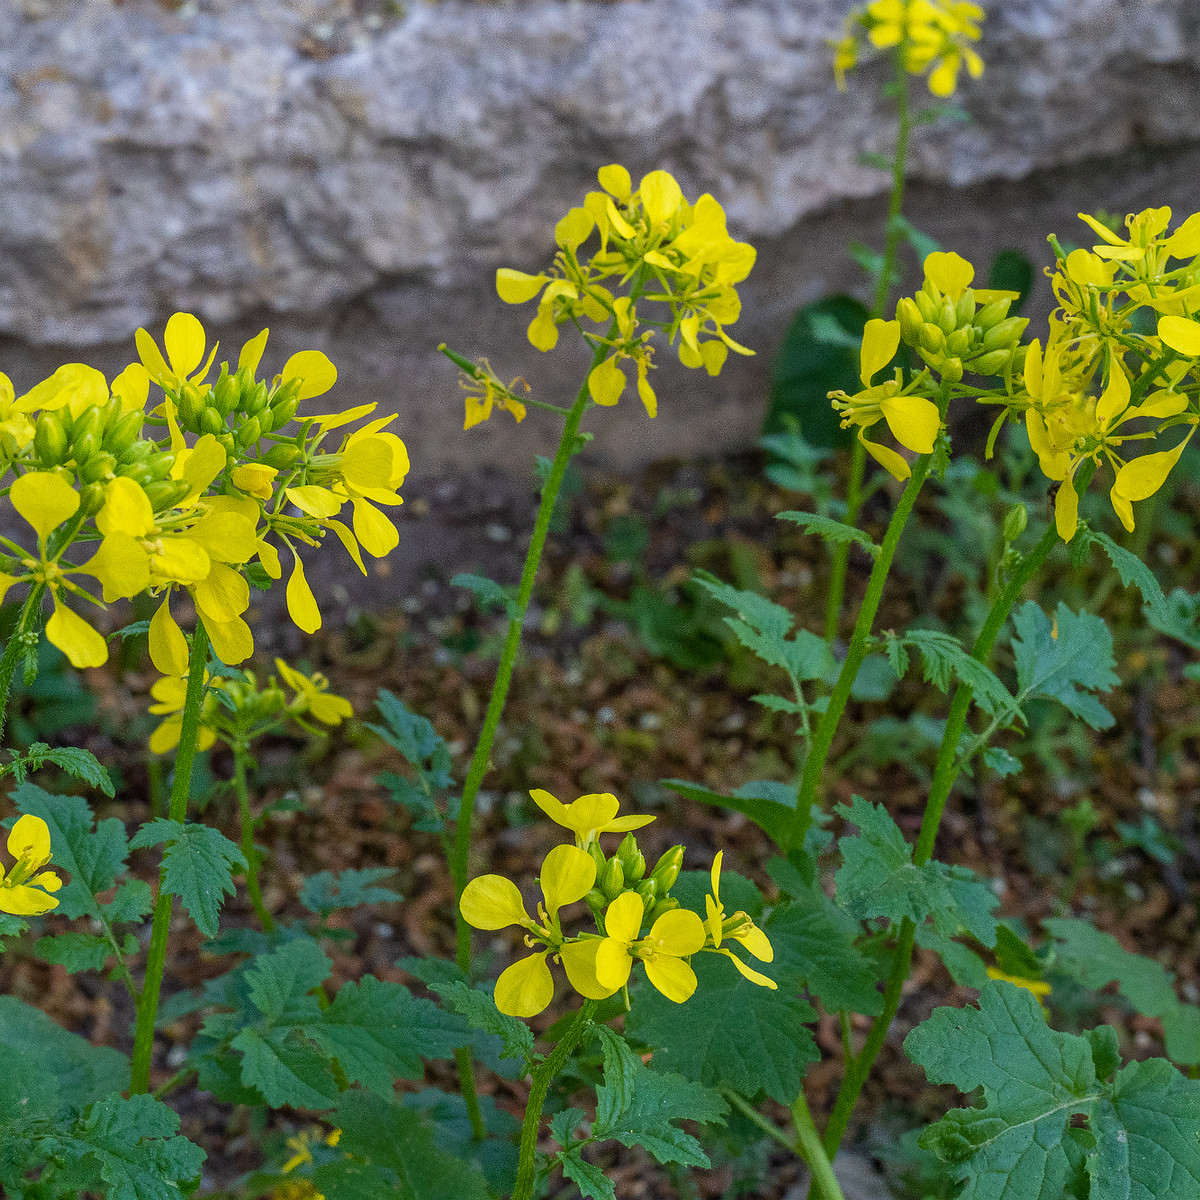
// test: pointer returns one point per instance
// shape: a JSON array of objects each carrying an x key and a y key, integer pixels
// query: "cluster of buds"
[
  {"x": 931, "y": 37},
  {"x": 953, "y": 326},
  {"x": 668, "y": 252},
  {"x": 237, "y": 708},
  {"x": 636, "y": 919},
  {"x": 236, "y": 477}
]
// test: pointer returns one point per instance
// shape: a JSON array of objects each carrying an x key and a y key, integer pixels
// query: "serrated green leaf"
[
  {"x": 132, "y": 902},
  {"x": 326, "y": 891},
  {"x": 591, "y": 1181},
  {"x": 94, "y": 858},
  {"x": 488, "y": 593},
  {"x": 620, "y": 1073},
  {"x": 835, "y": 532},
  {"x": 1134, "y": 572},
  {"x": 1001, "y": 761},
  {"x": 731, "y": 1033},
  {"x": 763, "y": 615},
  {"x": 1041, "y": 1089},
  {"x": 395, "y": 1141},
  {"x": 379, "y": 1032},
  {"x": 946, "y": 659},
  {"x": 285, "y": 1069},
  {"x": 278, "y": 984},
  {"x": 1065, "y": 660},
  {"x": 481, "y": 1013},
  {"x": 769, "y": 804},
  {"x": 966, "y": 968},
  {"x": 878, "y": 878},
  {"x": 414, "y": 736},
  {"x": 198, "y": 866},
  {"x": 74, "y": 951}
]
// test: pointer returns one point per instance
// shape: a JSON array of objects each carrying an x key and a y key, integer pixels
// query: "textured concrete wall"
[{"x": 354, "y": 182}]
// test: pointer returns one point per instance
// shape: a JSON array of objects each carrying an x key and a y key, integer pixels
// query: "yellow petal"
[
  {"x": 542, "y": 332},
  {"x": 1122, "y": 508},
  {"x": 615, "y": 180},
  {"x": 579, "y": 962},
  {"x": 661, "y": 196},
  {"x": 45, "y": 500},
  {"x": 555, "y": 809},
  {"x": 1181, "y": 334},
  {"x": 226, "y": 537},
  {"x": 132, "y": 387},
  {"x": 47, "y": 880},
  {"x": 254, "y": 478},
  {"x": 184, "y": 342},
  {"x": 252, "y": 352},
  {"x": 222, "y": 595},
  {"x": 573, "y": 229},
  {"x": 679, "y": 932},
  {"x": 168, "y": 646},
  {"x": 516, "y": 287},
  {"x": 126, "y": 510},
  {"x": 1141, "y": 477},
  {"x": 166, "y": 737},
  {"x": 82, "y": 645},
  {"x": 330, "y": 709},
  {"x": 749, "y": 972},
  {"x": 880, "y": 341},
  {"x": 344, "y": 536},
  {"x": 1066, "y": 510},
  {"x": 201, "y": 465},
  {"x": 591, "y": 813},
  {"x": 913, "y": 420},
  {"x": 623, "y": 919},
  {"x": 315, "y": 501},
  {"x": 1033, "y": 368},
  {"x": 180, "y": 560},
  {"x": 492, "y": 902},
  {"x": 613, "y": 962},
  {"x": 757, "y": 943},
  {"x": 568, "y": 874},
  {"x": 672, "y": 976},
  {"x": 378, "y": 535},
  {"x": 302, "y": 604},
  {"x": 318, "y": 373},
  {"x": 606, "y": 383},
  {"x": 525, "y": 988},
  {"x": 122, "y": 566},
  {"x": 232, "y": 641},
  {"x": 151, "y": 356},
  {"x": 625, "y": 824},
  {"x": 30, "y": 838},
  {"x": 1114, "y": 400},
  {"x": 950, "y": 273},
  {"x": 891, "y": 462},
  {"x": 715, "y": 916},
  {"x": 24, "y": 901}
]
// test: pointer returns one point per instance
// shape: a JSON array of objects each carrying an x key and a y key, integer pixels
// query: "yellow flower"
[
  {"x": 913, "y": 420},
  {"x": 672, "y": 938},
  {"x": 740, "y": 928},
  {"x": 184, "y": 340},
  {"x": 169, "y": 695},
  {"x": 313, "y": 693},
  {"x": 24, "y": 888},
  {"x": 587, "y": 817},
  {"x": 927, "y": 33}
]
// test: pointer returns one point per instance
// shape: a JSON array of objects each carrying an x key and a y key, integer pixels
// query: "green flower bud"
[
  {"x": 951, "y": 370},
  {"x": 1015, "y": 521},
  {"x": 598, "y": 858},
  {"x": 932, "y": 339},
  {"x": 50, "y": 440},
  {"x": 648, "y": 890},
  {"x": 165, "y": 493},
  {"x": 226, "y": 440},
  {"x": 280, "y": 414},
  {"x": 991, "y": 314},
  {"x": 254, "y": 397},
  {"x": 959, "y": 343},
  {"x": 91, "y": 499},
  {"x": 612, "y": 883},
  {"x": 927, "y": 305},
  {"x": 112, "y": 413},
  {"x": 910, "y": 318},
  {"x": 1005, "y": 333},
  {"x": 123, "y": 433},
  {"x": 667, "y": 869},
  {"x": 248, "y": 432},
  {"x": 161, "y": 464},
  {"x": 665, "y": 905},
  {"x": 226, "y": 393},
  {"x": 596, "y": 901},
  {"x": 88, "y": 433},
  {"x": 947, "y": 319},
  {"x": 964, "y": 310},
  {"x": 991, "y": 364},
  {"x": 211, "y": 421},
  {"x": 139, "y": 472},
  {"x": 98, "y": 468},
  {"x": 633, "y": 862},
  {"x": 190, "y": 408},
  {"x": 282, "y": 455}
]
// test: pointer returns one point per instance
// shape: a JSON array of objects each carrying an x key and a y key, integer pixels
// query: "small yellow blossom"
[
  {"x": 589, "y": 816},
  {"x": 25, "y": 888},
  {"x": 739, "y": 927},
  {"x": 672, "y": 938}
]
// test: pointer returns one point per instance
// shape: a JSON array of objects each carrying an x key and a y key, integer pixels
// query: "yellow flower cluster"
[
  {"x": 931, "y": 37},
  {"x": 25, "y": 889},
  {"x": 232, "y": 475},
  {"x": 237, "y": 709},
  {"x": 666, "y": 252},
  {"x": 636, "y": 918}
]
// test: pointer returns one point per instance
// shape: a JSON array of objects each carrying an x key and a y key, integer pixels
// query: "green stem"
[
  {"x": 945, "y": 773},
  {"x": 242, "y": 791},
  {"x": 16, "y": 647},
  {"x": 827, "y": 726},
  {"x": 752, "y": 1114},
  {"x": 883, "y": 287},
  {"x": 808, "y": 1142},
  {"x": 542, "y": 1078},
  {"x": 147, "y": 1005}
]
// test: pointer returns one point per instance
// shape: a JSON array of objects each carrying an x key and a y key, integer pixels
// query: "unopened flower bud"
[
  {"x": 1015, "y": 521},
  {"x": 633, "y": 862},
  {"x": 281, "y": 455},
  {"x": 612, "y": 882},
  {"x": 226, "y": 393},
  {"x": 665, "y": 905},
  {"x": 91, "y": 499},
  {"x": 648, "y": 892},
  {"x": 596, "y": 900},
  {"x": 959, "y": 343},
  {"x": 951, "y": 370},
  {"x": 164, "y": 493},
  {"x": 50, "y": 439},
  {"x": 1004, "y": 333},
  {"x": 964, "y": 310},
  {"x": 212, "y": 422},
  {"x": 932, "y": 339},
  {"x": 161, "y": 464},
  {"x": 98, "y": 468},
  {"x": 598, "y": 858},
  {"x": 248, "y": 432},
  {"x": 910, "y": 318},
  {"x": 123, "y": 432},
  {"x": 991, "y": 314},
  {"x": 254, "y": 398},
  {"x": 991, "y": 364},
  {"x": 190, "y": 407},
  {"x": 667, "y": 869},
  {"x": 281, "y": 413},
  {"x": 947, "y": 319},
  {"x": 927, "y": 305}
]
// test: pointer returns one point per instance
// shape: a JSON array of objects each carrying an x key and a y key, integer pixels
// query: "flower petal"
[
  {"x": 757, "y": 943},
  {"x": 749, "y": 972},
  {"x": 45, "y": 499},
  {"x": 525, "y": 988},
  {"x": 568, "y": 874},
  {"x": 82, "y": 645},
  {"x": 880, "y": 341},
  {"x": 122, "y": 566},
  {"x": 1066, "y": 510},
  {"x": 913, "y": 420},
  {"x": 126, "y": 510},
  {"x": 672, "y": 976},
  {"x": 168, "y": 646},
  {"x": 613, "y": 962},
  {"x": 950, "y": 273},
  {"x": 184, "y": 342},
  {"x": 232, "y": 641},
  {"x": 1141, "y": 477},
  {"x": 492, "y": 902},
  {"x": 302, "y": 604},
  {"x": 30, "y": 839},
  {"x": 623, "y": 919},
  {"x": 579, "y": 962},
  {"x": 887, "y": 458},
  {"x": 679, "y": 932},
  {"x": 314, "y": 368}
]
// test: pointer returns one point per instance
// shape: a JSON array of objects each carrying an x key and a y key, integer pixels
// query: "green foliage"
[
  {"x": 426, "y": 752},
  {"x": 834, "y": 532},
  {"x": 74, "y": 951},
  {"x": 731, "y": 1033},
  {"x": 82, "y": 764},
  {"x": 1053, "y": 1121},
  {"x": 488, "y": 593},
  {"x": 945, "y": 660},
  {"x": 769, "y": 804},
  {"x": 325, "y": 892},
  {"x": 198, "y": 866},
  {"x": 878, "y": 878},
  {"x": 480, "y": 1012}
]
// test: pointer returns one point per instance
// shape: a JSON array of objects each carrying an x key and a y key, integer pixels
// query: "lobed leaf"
[
  {"x": 326, "y": 891},
  {"x": 832, "y": 531},
  {"x": 946, "y": 659},
  {"x": 481, "y": 1013}
]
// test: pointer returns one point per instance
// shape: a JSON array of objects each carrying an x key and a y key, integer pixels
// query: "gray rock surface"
[{"x": 353, "y": 180}]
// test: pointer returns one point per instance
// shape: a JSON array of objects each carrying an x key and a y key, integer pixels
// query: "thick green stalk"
[
  {"x": 823, "y": 736},
  {"x": 147, "y": 1005},
  {"x": 542, "y": 1079},
  {"x": 808, "y": 1142},
  {"x": 883, "y": 287},
  {"x": 16, "y": 647},
  {"x": 945, "y": 773},
  {"x": 242, "y": 790}
]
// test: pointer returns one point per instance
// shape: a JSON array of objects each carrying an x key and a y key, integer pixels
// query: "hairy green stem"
[
  {"x": 542, "y": 1079},
  {"x": 16, "y": 647},
  {"x": 242, "y": 791},
  {"x": 811, "y": 1149},
  {"x": 945, "y": 774},
  {"x": 883, "y": 287},
  {"x": 147, "y": 1005},
  {"x": 827, "y": 726}
]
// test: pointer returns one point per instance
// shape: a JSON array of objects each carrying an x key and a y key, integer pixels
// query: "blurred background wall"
[{"x": 351, "y": 173}]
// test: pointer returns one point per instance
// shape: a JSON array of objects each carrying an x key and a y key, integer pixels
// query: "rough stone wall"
[{"x": 353, "y": 182}]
